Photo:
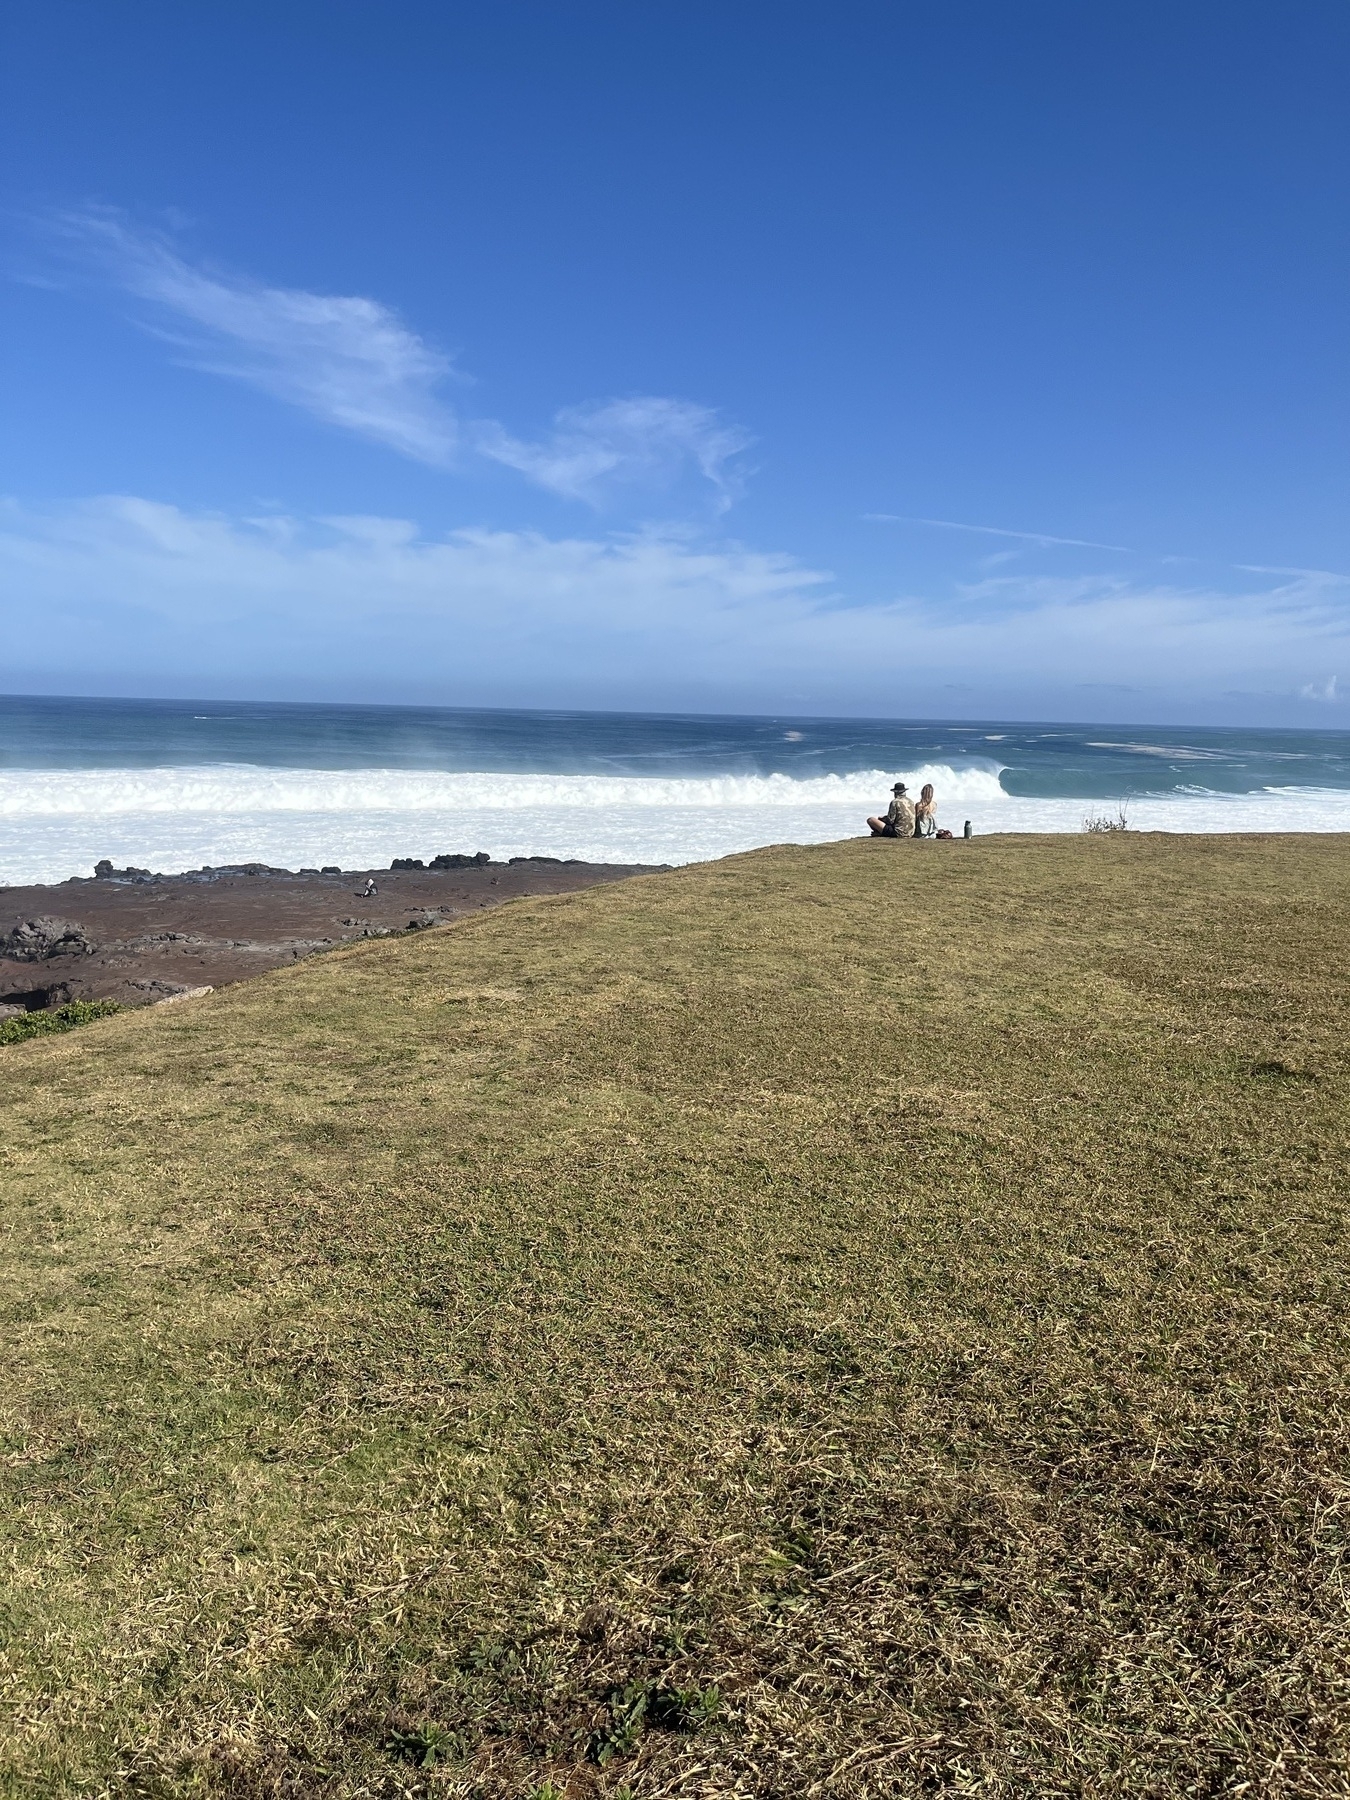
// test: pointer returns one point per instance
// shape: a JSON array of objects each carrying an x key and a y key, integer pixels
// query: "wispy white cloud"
[
  {"x": 371, "y": 604},
  {"x": 354, "y": 363},
  {"x": 1321, "y": 575},
  {"x": 1039, "y": 538},
  {"x": 140, "y": 580},
  {"x": 345, "y": 359},
  {"x": 646, "y": 440}
]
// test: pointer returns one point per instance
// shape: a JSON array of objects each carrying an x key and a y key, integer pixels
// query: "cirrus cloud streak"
[{"x": 354, "y": 363}]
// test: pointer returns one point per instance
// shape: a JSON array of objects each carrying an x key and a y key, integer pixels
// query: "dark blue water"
[{"x": 1034, "y": 761}]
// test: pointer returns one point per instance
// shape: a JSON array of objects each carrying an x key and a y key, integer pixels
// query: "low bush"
[{"x": 63, "y": 1018}]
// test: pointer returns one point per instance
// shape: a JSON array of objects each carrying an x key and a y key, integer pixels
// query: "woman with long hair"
[{"x": 925, "y": 813}]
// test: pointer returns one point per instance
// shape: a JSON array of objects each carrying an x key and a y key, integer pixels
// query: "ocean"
[{"x": 171, "y": 785}]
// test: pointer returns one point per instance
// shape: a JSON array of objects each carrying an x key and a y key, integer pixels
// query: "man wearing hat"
[{"x": 899, "y": 820}]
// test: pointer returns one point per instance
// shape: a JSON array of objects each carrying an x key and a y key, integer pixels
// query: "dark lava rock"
[
  {"x": 407, "y": 862},
  {"x": 479, "y": 860},
  {"x": 104, "y": 871},
  {"x": 224, "y": 871},
  {"x": 36, "y": 999},
  {"x": 34, "y": 940}
]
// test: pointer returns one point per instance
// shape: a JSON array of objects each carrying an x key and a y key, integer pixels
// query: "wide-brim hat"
[{"x": 899, "y": 788}]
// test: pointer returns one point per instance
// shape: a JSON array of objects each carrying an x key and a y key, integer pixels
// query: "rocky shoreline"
[{"x": 142, "y": 938}]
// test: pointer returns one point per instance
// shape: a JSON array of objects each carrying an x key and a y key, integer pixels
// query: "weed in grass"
[
  {"x": 423, "y": 1745},
  {"x": 644, "y": 1705}
]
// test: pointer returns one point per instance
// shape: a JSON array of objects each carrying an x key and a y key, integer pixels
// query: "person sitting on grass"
[
  {"x": 899, "y": 820},
  {"x": 925, "y": 813}
]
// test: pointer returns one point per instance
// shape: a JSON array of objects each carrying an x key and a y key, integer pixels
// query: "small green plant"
[
  {"x": 1095, "y": 822},
  {"x": 641, "y": 1704},
  {"x": 627, "y": 1716},
  {"x": 700, "y": 1706},
  {"x": 422, "y": 1745},
  {"x": 64, "y": 1018}
]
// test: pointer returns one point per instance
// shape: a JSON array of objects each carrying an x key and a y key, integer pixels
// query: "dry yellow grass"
[{"x": 858, "y": 1321}]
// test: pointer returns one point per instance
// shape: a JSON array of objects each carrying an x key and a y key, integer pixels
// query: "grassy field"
[{"x": 867, "y": 1320}]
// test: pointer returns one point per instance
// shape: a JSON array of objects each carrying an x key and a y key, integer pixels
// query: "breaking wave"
[
  {"x": 56, "y": 823},
  {"x": 232, "y": 790}
]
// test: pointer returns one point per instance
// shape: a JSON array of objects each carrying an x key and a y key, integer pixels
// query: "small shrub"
[
  {"x": 1105, "y": 822},
  {"x": 64, "y": 1018}
]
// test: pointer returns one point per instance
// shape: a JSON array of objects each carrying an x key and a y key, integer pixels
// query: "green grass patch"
[
  {"x": 866, "y": 1320},
  {"x": 60, "y": 1018}
]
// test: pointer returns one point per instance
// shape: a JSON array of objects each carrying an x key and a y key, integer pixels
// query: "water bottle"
[{"x": 967, "y": 832}]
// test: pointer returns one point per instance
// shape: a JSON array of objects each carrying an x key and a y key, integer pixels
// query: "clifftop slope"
[{"x": 865, "y": 1320}]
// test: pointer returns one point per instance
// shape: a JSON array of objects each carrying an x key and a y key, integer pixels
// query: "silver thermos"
[{"x": 967, "y": 832}]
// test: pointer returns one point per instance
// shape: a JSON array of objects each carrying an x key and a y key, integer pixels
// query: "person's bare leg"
[{"x": 878, "y": 827}]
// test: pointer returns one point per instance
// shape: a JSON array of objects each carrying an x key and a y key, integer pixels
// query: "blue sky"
[{"x": 948, "y": 359}]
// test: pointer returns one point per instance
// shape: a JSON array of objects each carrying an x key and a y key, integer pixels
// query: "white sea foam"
[
  {"x": 56, "y": 823},
  {"x": 232, "y": 789}
]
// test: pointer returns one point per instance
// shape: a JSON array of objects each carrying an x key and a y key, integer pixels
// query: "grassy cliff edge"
[{"x": 862, "y": 1320}]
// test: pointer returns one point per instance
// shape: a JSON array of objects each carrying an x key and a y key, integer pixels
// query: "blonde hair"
[{"x": 927, "y": 793}]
